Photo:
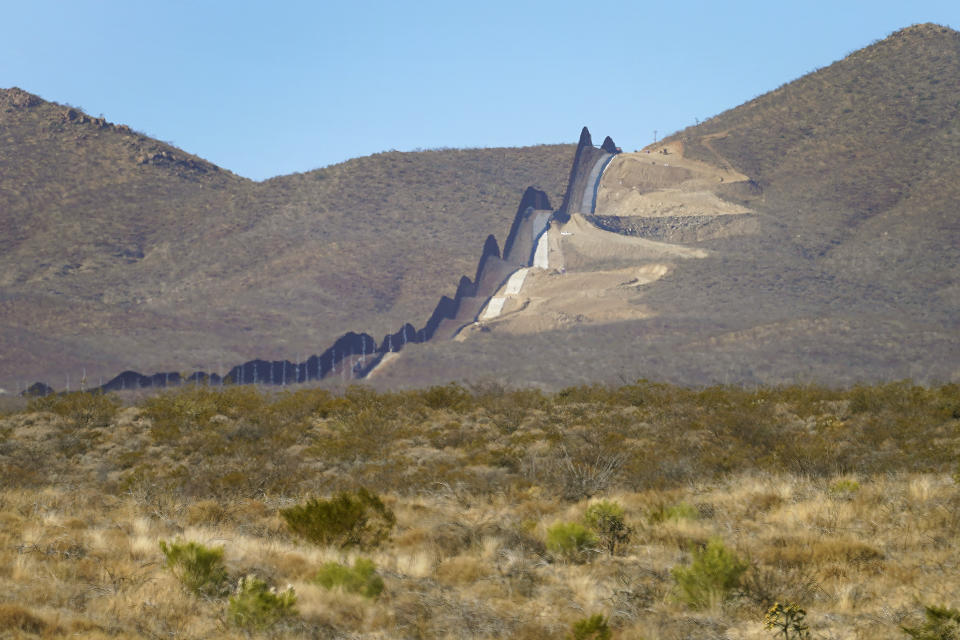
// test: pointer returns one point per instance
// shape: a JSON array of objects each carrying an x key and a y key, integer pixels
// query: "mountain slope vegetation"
[{"x": 121, "y": 251}]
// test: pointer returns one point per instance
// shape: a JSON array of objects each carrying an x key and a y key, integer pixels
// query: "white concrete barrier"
[
  {"x": 493, "y": 308},
  {"x": 516, "y": 281},
  {"x": 541, "y": 258}
]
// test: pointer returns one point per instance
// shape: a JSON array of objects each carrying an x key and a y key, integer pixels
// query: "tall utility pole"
[{"x": 654, "y": 136}]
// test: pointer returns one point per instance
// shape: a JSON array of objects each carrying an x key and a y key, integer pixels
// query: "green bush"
[
  {"x": 674, "y": 512},
  {"x": 347, "y": 520},
  {"x": 256, "y": 605},
  {"x": 605, "y": 518},
  {"x": 844, "y": 488},
  {"x": 571, "y": 540},
  {"x": 593, "y": 628},
  {"x": 712, "y": 576},
  {"x": 787, "y": 621},
  {"x": 451, "y": 396},
  {"x": 362, "y": 578},
  {"x": 942, "y": 623},
  {"x": 84, "y": 409},
  {"x": 200, "y": 569},
  {"x": 189, "y": 408}
]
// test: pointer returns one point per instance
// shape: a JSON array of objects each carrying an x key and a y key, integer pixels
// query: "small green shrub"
[
  {"x": 571, "y": 540},
  {"x": 787, "y": 621},
  {"x": 593, "y": 628},
  {"x": 674, "y": 512},
  {"x": 348, "y": 520},
  {"x": 712, "y": 576},
  {"x": 942, "y": 623},
  {"x": 606, "y": 520},
  {"x": 844, "y": 488},
  {"x": 362, "y": 578},
  {"x": 200, "y": 569},
  {"x": 255, "y": 605}
]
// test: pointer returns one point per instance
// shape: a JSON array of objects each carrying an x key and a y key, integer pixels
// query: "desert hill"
[
  {"x": 120, "y": 251},
  {"x": 809, "y": 235},
  {"x": 827, "y": 220}
]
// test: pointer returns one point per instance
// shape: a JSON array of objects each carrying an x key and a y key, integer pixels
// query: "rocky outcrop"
[
  {"x": 165, "y": 158},
  {"x": 19, "y": 99},
  {"x": 677, "y": 229}
]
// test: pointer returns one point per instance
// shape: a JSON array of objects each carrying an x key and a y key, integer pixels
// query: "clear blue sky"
[{"x": 269, "y": 88}]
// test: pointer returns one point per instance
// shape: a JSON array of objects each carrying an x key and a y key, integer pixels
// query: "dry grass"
[
  {"x": 473, "y": 480},
  {"x": 858, "y": 564}
]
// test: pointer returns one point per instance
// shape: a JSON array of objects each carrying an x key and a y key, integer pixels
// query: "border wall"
[{"x": 354, "y": 355}]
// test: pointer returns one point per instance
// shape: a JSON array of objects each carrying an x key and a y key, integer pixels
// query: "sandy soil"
[
  {"x": 657, "y": 184},
  {"x": 553, "y": 300}
]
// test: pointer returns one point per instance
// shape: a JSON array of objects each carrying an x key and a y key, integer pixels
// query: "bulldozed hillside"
[
  {"x": 119, "y": 251},
  {"x": 825, "y": 224}
]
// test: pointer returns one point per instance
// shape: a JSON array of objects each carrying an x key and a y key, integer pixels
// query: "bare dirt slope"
[
  {"x": 582, "y": 283},
  {"x": 663, "y": 182}
]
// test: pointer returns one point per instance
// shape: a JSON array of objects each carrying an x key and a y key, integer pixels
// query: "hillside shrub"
[
  {"x": 711, "y": 578},
  {"x": 584, "y": 475},
  {"x": 593, "y": 628},
  {"x": 347, "y": 520},
  {"x": 84, "y": 409},
  {"x": 675, "y": 512},
  {"x": 198, "y": 568},
  {"x": 256, "y": 605},
  {"x": 14, "y": 618},
  {"x": 942, "y": 623},
  {"x": 364, "y": 435},
  {"x": 606, "y": 520},
  {"x": 844, "y": 488},
  {"x": 361, "y": 578},
  {"x": 570, "y": 540},
  {"x": 451, "y": 396},
  {"x": 190, "y": 408},
  {"x": 787, "y": 621}
]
